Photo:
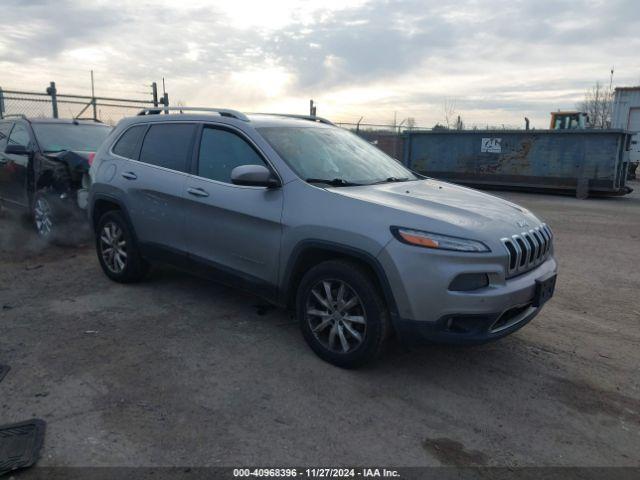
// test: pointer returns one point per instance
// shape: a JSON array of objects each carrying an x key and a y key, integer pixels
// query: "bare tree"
[
  {"x": 410, "y": 122},
  {"x": 449, "y": 110},
  {"x": 597, "y": 104}
]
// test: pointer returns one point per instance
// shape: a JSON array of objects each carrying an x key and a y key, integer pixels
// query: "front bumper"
[
  {"x": 465, "y": 329},
  {"x": 428, "y": 311}
]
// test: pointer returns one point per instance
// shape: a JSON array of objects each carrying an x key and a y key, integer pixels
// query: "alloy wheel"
[
  {"x": 113, "y": 247},
  {"x": 336, "y": 316},
  {"x": 43, "y": 217}
]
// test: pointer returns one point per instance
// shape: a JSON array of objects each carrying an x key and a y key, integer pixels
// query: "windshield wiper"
[
  {"x": 336, "y": 182},
  {"x": 392, "y": 179}
]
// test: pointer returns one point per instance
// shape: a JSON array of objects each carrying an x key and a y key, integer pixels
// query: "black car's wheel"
[
  {"x": 117, "y": 251},
  {"x": 342, "y": 313},
  {"x": 45, "y": 219}
]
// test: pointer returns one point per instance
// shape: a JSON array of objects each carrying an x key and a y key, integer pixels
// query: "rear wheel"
[
  {"x": 117, "y": 251},
  {"x": 342, "y": 314}
]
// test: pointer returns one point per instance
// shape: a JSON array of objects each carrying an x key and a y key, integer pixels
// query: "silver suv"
[{"x": 313, "y": 218}]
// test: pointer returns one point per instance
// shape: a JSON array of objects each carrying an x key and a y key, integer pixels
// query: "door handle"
[
  {"x": 129, "y": 176},
  {"x": 197, "y": 192}
]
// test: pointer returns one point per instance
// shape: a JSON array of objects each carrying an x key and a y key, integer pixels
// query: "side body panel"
[{"x": 17, "y": 169}]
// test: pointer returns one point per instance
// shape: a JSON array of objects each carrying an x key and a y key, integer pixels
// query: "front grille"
[{"x": 529, "y": 249}]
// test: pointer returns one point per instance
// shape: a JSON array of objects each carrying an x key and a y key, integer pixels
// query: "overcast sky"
[{"x": 495, "y": 60}]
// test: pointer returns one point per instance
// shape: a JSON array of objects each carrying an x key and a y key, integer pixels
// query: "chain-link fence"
[
  {"x": 387, "y": 138},
  {"x": 52, "y": 104},
  {"x": 390, "y": 138}
]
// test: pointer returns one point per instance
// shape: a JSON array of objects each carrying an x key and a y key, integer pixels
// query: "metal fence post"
[
  {"x": 1, "y": 104},
  {"x": 93, "y": 99},
  {"x": 54, "y": 99},
  {"x": 165, "y": 101},
  {"x": 154, "y": 92}
]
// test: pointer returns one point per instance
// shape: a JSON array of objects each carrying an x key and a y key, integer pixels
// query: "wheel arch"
[
  {"x": 309, "y": 253},
  {"x": 106, "y": 203}
]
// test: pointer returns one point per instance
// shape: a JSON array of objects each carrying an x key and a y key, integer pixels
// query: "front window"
[
  {"x": 222, "y": 151},
  {"x": 333, "y": 154},
  {"x": 58, "y": 137}
]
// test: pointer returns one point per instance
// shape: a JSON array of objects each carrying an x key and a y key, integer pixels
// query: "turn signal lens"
[
  {"x": 438, "y": 241},
  {"x": 418, "y": 239}
]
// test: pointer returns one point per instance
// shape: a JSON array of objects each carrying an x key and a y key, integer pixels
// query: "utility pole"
[
  {"x": 154, "y": 92},
  {"x": 165, "y": 97},
  {"x": 93, "y": 98},
  {"x": 312, "y": 108}
]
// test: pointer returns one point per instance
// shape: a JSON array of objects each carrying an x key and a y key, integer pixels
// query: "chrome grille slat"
[
  {"x": 545, "y": 240},
  {"x": 539, "y": 244},
  {"x": 530, "y": 248}
]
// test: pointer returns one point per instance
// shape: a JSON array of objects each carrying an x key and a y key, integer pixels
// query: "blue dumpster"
[{"x": 561, "y": 160}]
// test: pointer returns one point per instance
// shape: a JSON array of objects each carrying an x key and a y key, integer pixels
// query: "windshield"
[
  {"x": 56, "y": 137},
  {"x": 333, "y": 154}
]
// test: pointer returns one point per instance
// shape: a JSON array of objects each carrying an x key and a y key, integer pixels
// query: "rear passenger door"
[
  {"x": 152, "y": 180},
  {"x": 236, "y": 229}
]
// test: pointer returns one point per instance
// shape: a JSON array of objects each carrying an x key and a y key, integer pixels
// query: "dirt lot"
[{"x": 179, "y": 371}]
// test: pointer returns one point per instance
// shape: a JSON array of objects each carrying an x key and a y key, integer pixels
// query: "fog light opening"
[{"x": 467, "y": 282}]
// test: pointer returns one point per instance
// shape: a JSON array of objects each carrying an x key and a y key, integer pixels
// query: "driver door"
[{"x": 234, "y": 229}]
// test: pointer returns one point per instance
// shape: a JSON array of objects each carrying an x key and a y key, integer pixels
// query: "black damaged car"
[{"x": 44, "y": 168}]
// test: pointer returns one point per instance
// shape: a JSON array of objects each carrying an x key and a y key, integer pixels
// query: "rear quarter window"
[
  {"x": 168, "y": 145},
  {"x": 128, "y": 145}
]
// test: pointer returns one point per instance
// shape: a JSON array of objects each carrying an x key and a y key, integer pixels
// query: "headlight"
[{"x": 437, "y": 241}]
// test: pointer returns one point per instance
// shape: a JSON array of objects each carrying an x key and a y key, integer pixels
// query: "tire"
[
  {"x": 117, "y": 250},
  {"x": 335, "y": 299},
  {"x": 44, "y": 216}
]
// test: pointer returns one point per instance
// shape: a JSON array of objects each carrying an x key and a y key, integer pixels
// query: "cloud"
[{"x": 500, "y": 59}]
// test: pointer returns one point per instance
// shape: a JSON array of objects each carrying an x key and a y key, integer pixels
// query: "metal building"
[{"x": 626, "y": 115}]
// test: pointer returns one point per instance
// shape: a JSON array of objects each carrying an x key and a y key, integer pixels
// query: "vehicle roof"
[{"x": 256, "y": 120}]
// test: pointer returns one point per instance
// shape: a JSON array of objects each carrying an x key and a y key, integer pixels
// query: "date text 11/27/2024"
[{"x": 316, "y": 473}]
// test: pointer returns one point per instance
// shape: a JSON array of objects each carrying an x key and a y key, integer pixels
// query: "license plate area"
[{"x": 545, "y": 287}]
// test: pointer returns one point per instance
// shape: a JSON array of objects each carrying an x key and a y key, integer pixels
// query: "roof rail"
[
  {"x": 301, "y": 117},
  {"x": 88, "y": 119},
  {"x": 223, "y": 112}
]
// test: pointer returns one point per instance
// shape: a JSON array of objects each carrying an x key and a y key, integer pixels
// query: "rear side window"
[
  {"x": 129, "y": 144},
  {"x": 5, "y": 128},
  {"x": 19, "y": 136},
  {"x": 222, "y": 151},
  {"x": 168, "y": 145}
]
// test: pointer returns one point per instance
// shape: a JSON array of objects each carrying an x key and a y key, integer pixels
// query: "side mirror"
[
  {"x": 254, "y": 176},
  {"x": 14, "y": 149}
]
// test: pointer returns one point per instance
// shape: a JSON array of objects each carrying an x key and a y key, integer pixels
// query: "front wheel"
[
  {"x": 342, "y": 314},
  {"x": 117, "y": 250},
  {"x": 44, "y": 218}
]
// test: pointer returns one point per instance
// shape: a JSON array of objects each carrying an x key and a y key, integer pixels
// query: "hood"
[
  {"x": 77, "y": 161},
  {"x": 447, "y": 203}
]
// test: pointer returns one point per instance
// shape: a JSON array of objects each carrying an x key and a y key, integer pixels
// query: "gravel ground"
[{"x": 180, "y": 371}]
